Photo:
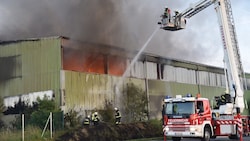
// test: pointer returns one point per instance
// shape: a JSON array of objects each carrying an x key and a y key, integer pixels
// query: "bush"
[
  {"x": 38, "y": 114},
  {"x": 136, "y": 103},
  {"x": 1, "y": 113},
  {"x": 71, "y": 119},
  {"x": 157, "y": 124},
  {"x": 108, "y": 113}
]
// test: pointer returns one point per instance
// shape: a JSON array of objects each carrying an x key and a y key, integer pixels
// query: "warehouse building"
[{"x": 83, "y": 76}]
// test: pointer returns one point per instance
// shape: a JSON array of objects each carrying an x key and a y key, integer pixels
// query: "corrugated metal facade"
[
  {"x": 36, "y": 67},
  {"x": 159, "y": 89},
  {"x": 85, "y": 91}
]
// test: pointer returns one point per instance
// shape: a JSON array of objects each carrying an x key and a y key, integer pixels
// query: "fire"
[
  {"x": 94, "y": 62},
  {"x": 116, "y": 65}
]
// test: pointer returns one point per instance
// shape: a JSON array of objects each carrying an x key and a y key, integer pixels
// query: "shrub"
[
  {"x": 108, "y": 113},
  {"x": 71, "y": 119},
  {"x": 136, "y": 103}
]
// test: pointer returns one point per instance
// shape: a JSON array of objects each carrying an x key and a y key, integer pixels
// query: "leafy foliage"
[
  {"x": 37, "y": 114},
  {"x": 136, "y": 103},
  {"x": 108, "y": 113},
  {"x": 71, "y": 119},
  {"x": 1, "y": 112},
  {"x": 40, "y": 116}
]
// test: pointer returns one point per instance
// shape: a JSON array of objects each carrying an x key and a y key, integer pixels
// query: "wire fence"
[{"x": 31, "y": 127}]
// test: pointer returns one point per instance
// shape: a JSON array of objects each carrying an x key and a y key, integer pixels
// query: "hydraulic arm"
[{"x": 233, "y": 66}]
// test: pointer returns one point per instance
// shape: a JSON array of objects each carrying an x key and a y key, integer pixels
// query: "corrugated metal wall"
[
  {"x": 37, "y": 66},
  {"x": 85, "y": 91},
  {"x": 137, "y": 70},
  {"x": 159, "y": 89},
  {"x": 151, "y": 70}
]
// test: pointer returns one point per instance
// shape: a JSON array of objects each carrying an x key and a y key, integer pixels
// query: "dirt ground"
[{"x": 110, "y": 132}]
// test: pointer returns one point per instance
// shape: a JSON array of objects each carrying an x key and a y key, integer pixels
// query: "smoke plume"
[{"x": 121, "y": 23}]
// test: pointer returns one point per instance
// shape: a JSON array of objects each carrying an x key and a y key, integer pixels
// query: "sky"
[{"x": 127, "y": 24}]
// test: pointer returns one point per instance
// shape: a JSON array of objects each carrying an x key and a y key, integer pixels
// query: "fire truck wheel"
[
  {"x": 207, "y": 135},
  {"x": 176, "y": 138}
]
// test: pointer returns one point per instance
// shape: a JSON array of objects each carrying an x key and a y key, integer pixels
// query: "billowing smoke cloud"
[{"x": 120, "y": 23}]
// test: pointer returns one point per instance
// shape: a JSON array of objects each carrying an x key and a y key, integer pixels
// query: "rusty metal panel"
[
  {"x": 38, "y": 63},
  {"x": 86, "y": 91}
]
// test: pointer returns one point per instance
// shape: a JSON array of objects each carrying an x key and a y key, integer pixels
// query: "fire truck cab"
[{"x": 187, "y": 117}]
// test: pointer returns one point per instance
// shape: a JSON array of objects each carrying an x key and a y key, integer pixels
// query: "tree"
[
  {"x": 41, "y": 114},
  {"x": 136, "y": 102},
  {"x": 37, "y": 113}
]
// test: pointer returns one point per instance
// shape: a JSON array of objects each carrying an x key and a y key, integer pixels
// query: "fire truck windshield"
[{"x": 177, "y": 108}]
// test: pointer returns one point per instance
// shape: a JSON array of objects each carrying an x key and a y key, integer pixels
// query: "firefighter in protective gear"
[
  {"x": 95, "y": 118},
  {"x": 86, "y": 120},
  {"x": 223, "y": 99},
  {"x": 117, "y": 116}
]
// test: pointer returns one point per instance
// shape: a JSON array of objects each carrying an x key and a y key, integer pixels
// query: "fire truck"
[{"x": 193, "y": 116}]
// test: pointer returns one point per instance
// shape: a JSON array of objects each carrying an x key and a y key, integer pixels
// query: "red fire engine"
[{"x": 194, "y": 116}]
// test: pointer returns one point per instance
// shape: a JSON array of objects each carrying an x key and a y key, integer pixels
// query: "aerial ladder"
[
  {"x": 233, "y": 66},
  {"x": 190, "y": 116}
]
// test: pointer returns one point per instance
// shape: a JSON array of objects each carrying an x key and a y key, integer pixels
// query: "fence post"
[
  {"x": 22, "y": 127},
  {"x": 51, "y": 129},
  {"x": 49, "y": 119}
]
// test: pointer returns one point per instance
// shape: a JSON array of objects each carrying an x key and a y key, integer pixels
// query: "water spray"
[
  {"x": 117, "y": 86},
  {"x": 139, "y": 53}
]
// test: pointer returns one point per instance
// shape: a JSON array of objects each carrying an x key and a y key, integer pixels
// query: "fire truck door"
[{"x": 200, "y": 110}]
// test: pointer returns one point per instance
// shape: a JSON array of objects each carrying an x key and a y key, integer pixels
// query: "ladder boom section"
[
  {"x": 233, "y": 64},
  {"x": 196, "y": 8}
]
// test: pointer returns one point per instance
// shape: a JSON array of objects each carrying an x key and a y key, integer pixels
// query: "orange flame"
[{"x": 93, "y": 62}]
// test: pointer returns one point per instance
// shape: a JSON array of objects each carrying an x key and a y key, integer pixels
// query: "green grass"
[
  {"x": 34, "y": 134},
  {"x": 30, "y": 134}
]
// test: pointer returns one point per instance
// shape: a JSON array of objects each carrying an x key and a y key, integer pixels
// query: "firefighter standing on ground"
[
  {"x": 95, "y": 118},
  {"x": 117, "y": 116}
]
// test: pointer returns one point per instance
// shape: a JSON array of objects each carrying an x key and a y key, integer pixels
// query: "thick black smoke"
[{"x": 121, "y": 23}]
